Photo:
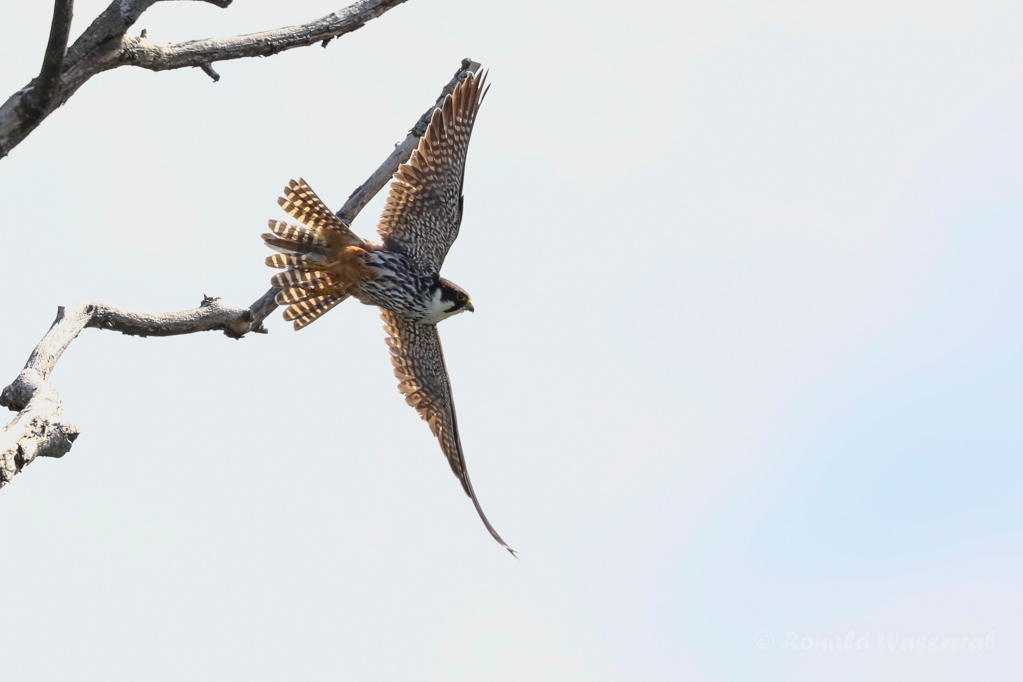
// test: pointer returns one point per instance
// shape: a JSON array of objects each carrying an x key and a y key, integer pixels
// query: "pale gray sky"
[{"x": 745, "y": 358}]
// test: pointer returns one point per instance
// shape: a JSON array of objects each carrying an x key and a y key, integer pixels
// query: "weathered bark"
[
  {"x": 39, "y": 430},
  {"x": 104, "y": 45}
]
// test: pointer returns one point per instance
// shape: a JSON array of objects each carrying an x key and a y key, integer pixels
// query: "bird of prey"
[{"x": 325, "y": 263}]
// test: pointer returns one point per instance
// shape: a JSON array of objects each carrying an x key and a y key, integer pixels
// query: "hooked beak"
[{"x": 468, "y": 306}]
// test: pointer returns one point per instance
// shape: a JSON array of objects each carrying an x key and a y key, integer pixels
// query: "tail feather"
[
  {"x": 292, "y": 295},
  {"x": 301, "y": 236},
  {"x": 291, "y": 260},
  {"x": 306, "y": 312},
  {"x": 300, "y": 202},
  {"x": 294, "y": 239},
  {"x": 297, "y": 277},
  {"x": 304, "y": 292}
]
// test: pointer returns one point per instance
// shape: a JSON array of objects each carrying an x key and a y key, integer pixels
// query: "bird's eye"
[{"x": 462, "y": 298}]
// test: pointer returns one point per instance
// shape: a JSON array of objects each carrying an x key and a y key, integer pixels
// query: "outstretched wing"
[
  {"x": 418, "y": 361},
  {"x": 424, "y": 206}
]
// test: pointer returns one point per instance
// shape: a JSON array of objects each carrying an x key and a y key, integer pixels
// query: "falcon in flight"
[{"x": 325, "y": 263}]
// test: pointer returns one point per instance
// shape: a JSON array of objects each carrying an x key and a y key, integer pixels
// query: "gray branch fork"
[
  {"x": 40, "y": 430},
  {"x": 105, "y": 45}
]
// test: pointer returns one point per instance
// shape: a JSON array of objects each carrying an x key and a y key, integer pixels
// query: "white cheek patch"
[
  {"x": 436, "y": 309},
  {"x": 439, "y": 309},
  {"x": 437, "y": 304}
]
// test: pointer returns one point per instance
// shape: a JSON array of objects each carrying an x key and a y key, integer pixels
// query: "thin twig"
[{"x": 208, "y": 70}]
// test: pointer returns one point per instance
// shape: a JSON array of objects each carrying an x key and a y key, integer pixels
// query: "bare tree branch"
[
  {"x": 39, "y": 429},
  {"x": 104, "y": 45},
  {"x": 142, "y": 52},
  {"x": 211, "y": 315},
  {"x": 40, "y": 93},
  {"x": 53, "y": 59}
]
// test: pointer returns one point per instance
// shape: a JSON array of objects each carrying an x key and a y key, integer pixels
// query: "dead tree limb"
[
  {"x": 39, "y": 98},
  {"x": 105, "y": 45},
  {"x": 39, "y": 429}
]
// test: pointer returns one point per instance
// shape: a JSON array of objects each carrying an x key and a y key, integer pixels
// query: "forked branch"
[
  {"x": 105, "y": 45},
  {"x": 53, "y": 60}
]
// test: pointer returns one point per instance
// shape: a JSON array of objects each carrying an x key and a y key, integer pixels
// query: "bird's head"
[{"x": 448, "y": 299}]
